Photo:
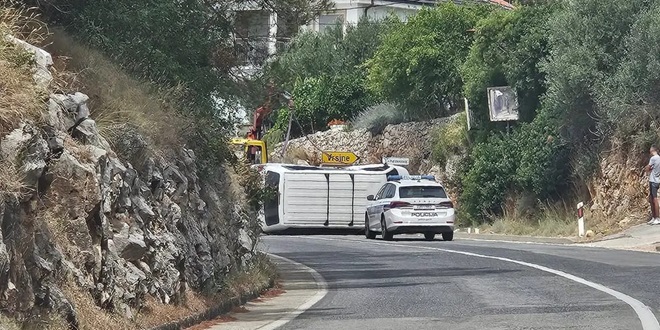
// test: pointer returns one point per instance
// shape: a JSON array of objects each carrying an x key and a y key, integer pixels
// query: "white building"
[{"x": 259, "y": 33}]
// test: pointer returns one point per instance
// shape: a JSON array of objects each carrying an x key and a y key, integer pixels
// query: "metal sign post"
[{"x": 467, "y": 114}]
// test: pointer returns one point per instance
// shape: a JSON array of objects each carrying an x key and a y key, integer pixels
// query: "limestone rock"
[
  {"x": 120, "y": 231},
  {"x": 16, "y": 141},
  {"x": 130, "y": 246},
  {"x": 87, "y": 133},
  {"x": 42, "y": 60},
  {"x": 624, "y": 222},
  {"x": 411, "y": 140}
]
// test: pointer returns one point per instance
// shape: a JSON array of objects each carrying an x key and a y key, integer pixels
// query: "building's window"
[
  {"x": 252, "y": 24},
  {"x": 328, "y": 21},
  {"x": 287, "y": 28},
  {"x": 252, "y": 28}
]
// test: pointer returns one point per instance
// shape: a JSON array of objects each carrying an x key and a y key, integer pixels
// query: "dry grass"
[
  {"x": 548, "y": 221},
  {"x": 118, "y": 102},
  {"x": 90, "y": 316},
  {"x": 12, "y": 186},
  {"x": 8, "y": 324},
  {"x": 603, "y": 225},
  {"x": 20, "y": 98},
  {"x": 156, "y": 313},
  {"x": 261, "y": 271},
  {"x": 83, "y": 153},
  {"x": 549, "y": 227},
  {"x": 45, "y": 321}
]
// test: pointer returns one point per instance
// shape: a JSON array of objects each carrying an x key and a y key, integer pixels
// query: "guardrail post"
[{"x": 580, "y": 209}]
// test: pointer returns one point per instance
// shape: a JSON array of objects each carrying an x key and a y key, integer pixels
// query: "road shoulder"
[
  {"x": 303, "y": 287},
  {"x": 514, "y": 238}
]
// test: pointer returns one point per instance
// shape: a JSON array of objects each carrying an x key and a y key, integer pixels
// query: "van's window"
[
  {"x": 271, "y": 198},
  {"x": 422, "y": 192}
]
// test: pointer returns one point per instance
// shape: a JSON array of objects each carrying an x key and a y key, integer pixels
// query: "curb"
[
  {"x": 608, "y": 238},
  {"x": 515, "y": 238},
  {"x": 213, "y": 312}
]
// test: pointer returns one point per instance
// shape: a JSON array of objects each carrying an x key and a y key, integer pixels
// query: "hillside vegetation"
[
  {"x": 586, "y": 76},
  {"x": 115, "y": 212}
]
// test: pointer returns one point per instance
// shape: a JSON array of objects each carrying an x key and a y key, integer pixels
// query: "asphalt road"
[{"x": 415, "y": 284}]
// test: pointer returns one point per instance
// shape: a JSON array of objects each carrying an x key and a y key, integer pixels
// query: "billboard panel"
[{"x": 502, "y": 103}]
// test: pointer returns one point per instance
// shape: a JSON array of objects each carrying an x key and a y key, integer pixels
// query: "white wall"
[
  {"x": 350, "y": 11},
  {"x": 351, "y": 15},
  {"x": 378, "y": 13}
]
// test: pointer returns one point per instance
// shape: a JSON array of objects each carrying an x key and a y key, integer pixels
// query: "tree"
[
  {"x": 587, "y": 45},
  {"x": 332, "y": 53},
  {"x": 532, "y": 160},
  {"x": 629, "y": 100},
  {"x": 507, "y": 50},
  {"x": 175, "y": 43},
  {"x": 171, "y": 42},
  {"x": 419, "y": 61},
  {"x": 325, "y": 73}
]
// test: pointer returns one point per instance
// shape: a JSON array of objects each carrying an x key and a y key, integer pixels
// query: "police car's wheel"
[
  {"x": 386, "y": 235},
  {"x": 367, "y": 232},
  {"x": 429, "y": 236},
  {"x": 448, "y": 236}
]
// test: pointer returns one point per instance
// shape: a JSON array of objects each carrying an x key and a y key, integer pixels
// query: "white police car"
[{"x": 408, "y": 205}]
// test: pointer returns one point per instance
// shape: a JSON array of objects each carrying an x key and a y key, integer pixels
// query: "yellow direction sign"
[{"x": 338, "y": 158}]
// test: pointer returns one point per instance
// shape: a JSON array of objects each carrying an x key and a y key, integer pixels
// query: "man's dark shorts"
[{"x": 654, "y": 189}]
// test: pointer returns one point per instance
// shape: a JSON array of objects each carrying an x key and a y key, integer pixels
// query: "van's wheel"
[
  {"x": 429, "y": 236},
  {"x": 367, "y": 232},
  {"x": 383, "y": 230},
  {"x": 448, "y": 236}
]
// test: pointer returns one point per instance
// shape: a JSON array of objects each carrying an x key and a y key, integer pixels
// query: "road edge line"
[
  {"x": 644, "y": 312},
  {"x": 322, "y": 291}
]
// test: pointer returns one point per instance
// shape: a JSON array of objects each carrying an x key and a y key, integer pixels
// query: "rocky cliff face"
[
  {"x": 619, "y": 193},
  {"x": 121, "y": 232},
  {"x": 412, "y": 140}
]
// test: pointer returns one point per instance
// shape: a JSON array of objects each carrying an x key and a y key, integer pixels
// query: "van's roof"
[{"x": 279, "y": 167}]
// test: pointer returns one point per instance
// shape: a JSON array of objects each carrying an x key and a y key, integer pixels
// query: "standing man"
[{"x": 654, "y": 183}]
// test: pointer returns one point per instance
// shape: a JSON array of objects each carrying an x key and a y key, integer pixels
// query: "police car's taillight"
[
  {"x": 397, "y": 204},
  {"x": 448, "y": 205}
]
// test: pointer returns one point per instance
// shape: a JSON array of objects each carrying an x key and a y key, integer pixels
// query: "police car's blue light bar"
[{"x": 410, "y": 177}]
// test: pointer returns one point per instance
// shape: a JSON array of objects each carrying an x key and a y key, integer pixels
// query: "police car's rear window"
[{"x": 422, "y": 192}]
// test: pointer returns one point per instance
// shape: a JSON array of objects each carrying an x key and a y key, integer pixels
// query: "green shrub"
[
  {"x": 450, "y": 139},
  {"x": 377, "y": 117},
  {"x": 533, "y": 159},
  {"x": 273, "y": 137},
  {"x": 489, "y": 177}
]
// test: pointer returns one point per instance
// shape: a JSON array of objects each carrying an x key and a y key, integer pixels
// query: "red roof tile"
[{"x": 502, "y": 3}]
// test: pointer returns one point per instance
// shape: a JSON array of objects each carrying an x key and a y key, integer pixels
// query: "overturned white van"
[{"x": 310, "y": 197}]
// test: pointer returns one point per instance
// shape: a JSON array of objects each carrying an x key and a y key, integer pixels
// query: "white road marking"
[
  {"x": 644, "y": 313},
  {"x": 322, "y": 290}
]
